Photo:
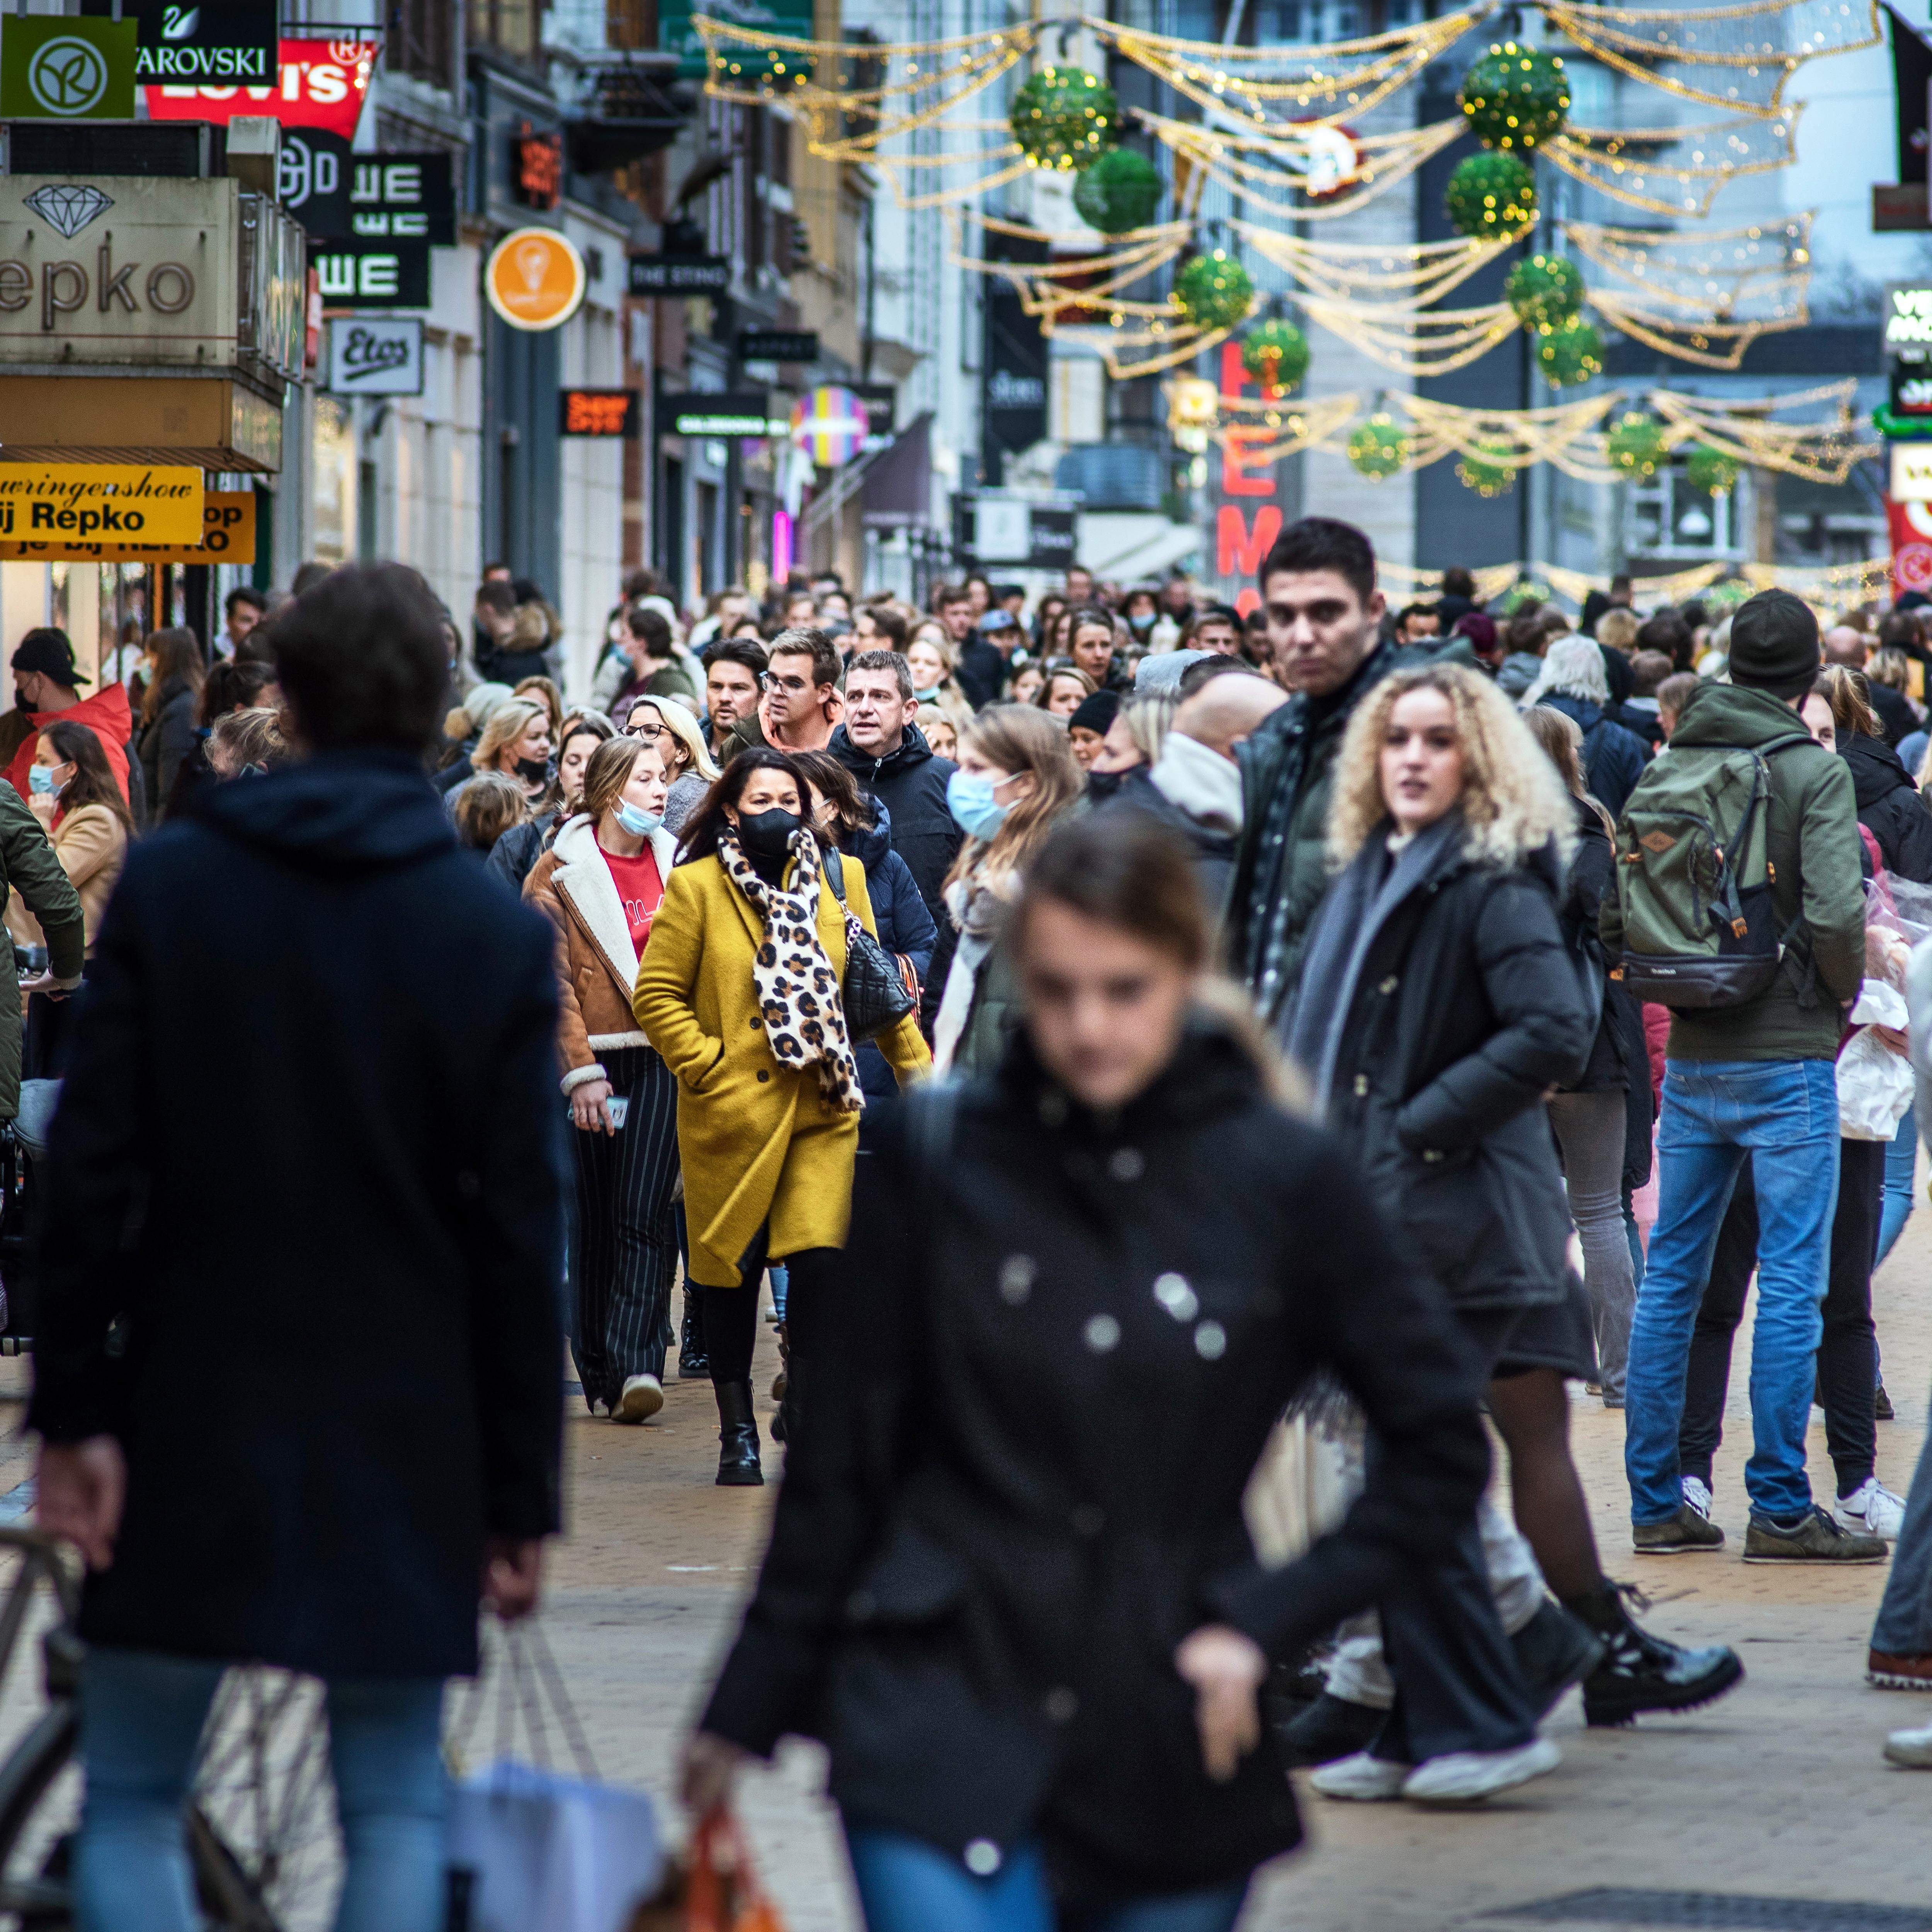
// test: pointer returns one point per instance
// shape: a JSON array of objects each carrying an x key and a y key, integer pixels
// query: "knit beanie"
[
  {"x": 1774, "y": 642},
  {"x": 1096, "y": 713}
]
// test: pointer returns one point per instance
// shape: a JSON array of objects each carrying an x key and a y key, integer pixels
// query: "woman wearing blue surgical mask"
[
  {"x": 602, "y": 884},
  {"x": 1016, "y": 777}
]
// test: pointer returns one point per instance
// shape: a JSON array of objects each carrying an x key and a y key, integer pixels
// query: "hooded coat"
[
  {"x": 758, "y": 1141},
  {"x": 340, "y": 1372},
  {"x": 1064, "y": 1340},
  {"x": 1890, "y": 806},
  {"x": 166, "y": 742},
  {"x": 1613, "y": 758},
  {"x": 107, "y": 713},
  {"x": 911, "y": 783}
]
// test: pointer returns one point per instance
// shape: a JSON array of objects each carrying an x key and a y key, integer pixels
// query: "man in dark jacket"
[
  {"x": 1755, "y": 1079},
  {"x": 329, "y": 1419},
  {"x": 1318, "y": 587},
  {"x": 887, "y": 752}
]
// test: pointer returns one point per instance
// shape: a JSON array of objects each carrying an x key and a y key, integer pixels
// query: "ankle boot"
[
  {"x": 792, "y": 1407},
  {"x": 1640, "y": 1671},
  {"x": 737, "y": 1437},
  {"x": 692, "y": 1365}
]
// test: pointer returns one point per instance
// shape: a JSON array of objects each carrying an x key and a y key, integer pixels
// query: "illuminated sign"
[
  {"x": 723, "y": 415},
  {"x": 597, "y": 413},
  {"x": 323, "y": 85}
]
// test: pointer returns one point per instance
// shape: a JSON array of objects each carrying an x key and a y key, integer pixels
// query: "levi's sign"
[
  {"x": 122, "y": 502},
  {"x": 322, "y": 84}
]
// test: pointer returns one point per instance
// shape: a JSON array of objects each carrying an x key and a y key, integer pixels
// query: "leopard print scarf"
[{"x": 799, "y": 993}]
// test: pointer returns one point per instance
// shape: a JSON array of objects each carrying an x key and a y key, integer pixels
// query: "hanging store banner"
[
  {"x": 228, "y": 536},
  {"x": 676, "y": 35},
  {"x": 322, "y": 84},
  {"x": 226, "y": 42},
  {"x": 113, "y": 502},
  {"x": 55, "y": 69},
  {"x": 535, "y": 279},
  {"x": 372, "y": 275},
  {"x": 369, "y": 356},
  {"x": 338, "y": 195}
]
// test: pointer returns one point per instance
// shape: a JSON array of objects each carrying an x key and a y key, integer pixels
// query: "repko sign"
[{"x": 116, "y": 502}]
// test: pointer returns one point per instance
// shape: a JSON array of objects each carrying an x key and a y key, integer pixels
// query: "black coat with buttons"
[
  {"x": 1019, "y": 1483},
  {"x": 1468, "y": 1009}
]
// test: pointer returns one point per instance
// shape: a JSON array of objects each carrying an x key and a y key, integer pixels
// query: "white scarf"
[{"x": 1205, "y": 785}]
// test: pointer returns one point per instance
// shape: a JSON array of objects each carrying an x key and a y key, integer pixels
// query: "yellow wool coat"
[{"x": 756, "y": 1140}]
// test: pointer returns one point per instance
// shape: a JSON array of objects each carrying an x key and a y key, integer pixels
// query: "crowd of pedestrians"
[{"x": 1104, "y": 1029}]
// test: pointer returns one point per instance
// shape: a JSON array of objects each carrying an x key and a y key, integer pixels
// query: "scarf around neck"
[{"x": 798, "y": 992}]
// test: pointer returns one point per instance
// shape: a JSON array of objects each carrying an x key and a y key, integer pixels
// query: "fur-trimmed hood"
[{"x": 583, "y": 879}]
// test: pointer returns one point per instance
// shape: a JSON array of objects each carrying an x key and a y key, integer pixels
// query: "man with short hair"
[
  {"x": 1079, "y": 584},
  {"x": 800, "y": 705},
  {"x": 800, "y": 610},
  {"x": 494, "y": 626},
  {"x": 1214, "y": 627},
  {"x": 953, "y": 605},
  {"x": 242, "y": 609},
  {"x": 45, "y": 688},
  {"x": 326, "y": 1477},
  {"x": 733, "y": 671},
  {"x": 646, "y": 667},
  {"x": 979, "y": 665},
  {"x": 879, "y": 744},
  {"x": 879, "y": 627},
  {"x": 1755, "y": 1080},
  {"x": 1417, "y": 624}
]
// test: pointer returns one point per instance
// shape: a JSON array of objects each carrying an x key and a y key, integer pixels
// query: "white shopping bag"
[
  {"x": 534, "y": 1851},
  {"x": 1874, "y": 1083}
]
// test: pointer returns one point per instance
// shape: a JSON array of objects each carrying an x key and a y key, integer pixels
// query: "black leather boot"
[
  {"x": 692, "y": 1364},
  {"x": 1640, "y": 1672},
  {"x": 737, "y": 1438}
]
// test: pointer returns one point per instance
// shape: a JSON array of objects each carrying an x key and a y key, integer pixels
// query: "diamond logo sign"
[{"x": 67, "y": 210}]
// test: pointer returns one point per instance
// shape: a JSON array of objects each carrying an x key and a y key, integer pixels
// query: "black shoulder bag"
[{"x": 876, "y": 998}]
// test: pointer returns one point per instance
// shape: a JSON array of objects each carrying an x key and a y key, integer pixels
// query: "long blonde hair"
[
  {"x": 1016, "y": 738},
  {"x": 506, "y": 724},
  {"x": 1513, "y": 803}
]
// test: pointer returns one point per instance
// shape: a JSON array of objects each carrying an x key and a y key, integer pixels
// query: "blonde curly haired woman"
[{"x": 1439, "y": 1004}]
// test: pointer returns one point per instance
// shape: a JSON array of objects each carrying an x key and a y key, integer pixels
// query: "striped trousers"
[{"x": 626, "y": 1251}]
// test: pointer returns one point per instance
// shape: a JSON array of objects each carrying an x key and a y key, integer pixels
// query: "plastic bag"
[{"x": 1875, "y": 1085}]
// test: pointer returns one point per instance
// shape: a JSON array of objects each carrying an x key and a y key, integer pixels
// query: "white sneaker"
[
  {"x": 1872, "y": 1508},
  {"x": 1911, "y": 1748},
  {"x": 643, "y": 1396},
  {"x": 1361, "y": 1777},
  {"x": 1467, "y": 1778},
  {"x": 1698, "y": 1495}
]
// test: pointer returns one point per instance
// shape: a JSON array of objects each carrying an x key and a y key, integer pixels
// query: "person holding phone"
[{"x": 601, "y": 884}]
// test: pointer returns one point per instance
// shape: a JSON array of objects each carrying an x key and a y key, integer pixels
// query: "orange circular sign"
[{"x": 535, "y": 278}]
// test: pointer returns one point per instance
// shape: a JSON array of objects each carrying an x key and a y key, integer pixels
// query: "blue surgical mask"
[
  {"x": 639, "y": 823},
  {"x": 927, "y": 696},
  {"x": 41, "y": 779},
  {"x": 969, "y": 799}
]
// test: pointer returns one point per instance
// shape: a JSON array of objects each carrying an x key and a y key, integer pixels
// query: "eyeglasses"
[
  {"x": 646, "y": 732},
  {"x": 771, "y": 681}
]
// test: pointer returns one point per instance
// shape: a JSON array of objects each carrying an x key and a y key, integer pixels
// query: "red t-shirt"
[{"x": 640, "y": 888}]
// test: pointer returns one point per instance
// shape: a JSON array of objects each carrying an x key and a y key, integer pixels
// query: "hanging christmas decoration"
[
  {"x": 1214, "y": 291},
  {"x": 1492, "y": 195},
  {"x": 1544, "y": 290},
  {"x": 1276, "y": 354},
  {"x": 1488, "y": 472},
  {"x": 1065, "y": 119},
  {"x": 1711, "y": 471},
  {"x": 1571, "y": 353},
  {"x": 1119, "y": 192},
  {"x": 1380, "y": 449},
  {"x": 1515, "y": 96},
  {"x": 1637, "y": 446}
]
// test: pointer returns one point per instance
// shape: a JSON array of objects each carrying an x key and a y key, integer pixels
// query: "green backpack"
[{"x": 1694, "y": 878}]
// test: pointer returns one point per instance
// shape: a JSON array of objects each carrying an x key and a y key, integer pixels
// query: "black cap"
[
  {"x": 48, "y": 652},
  {"x": 1774, "y": 642},
  {"x": 1096, "y": 713}
]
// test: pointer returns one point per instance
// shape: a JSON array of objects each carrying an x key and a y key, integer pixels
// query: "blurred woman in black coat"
[{"x": 1009, "y": 1583}]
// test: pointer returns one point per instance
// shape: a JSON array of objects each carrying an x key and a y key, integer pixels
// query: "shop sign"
[
  {"x": 338, "y": 195},
  {"x": 116, "y": 502},
  {"x": 536, "y": 168},
  {"x": 323, "y": 84},
  {"x": 54, "y": 68},
  {"x": 599, "y": 413},
  {"x": 1912, "y": 472},
  {"x": 535, "y": 278},
  {"x": 830, "y": 425},
  {"x": 778, "y": 345},
  {"x": 132, "y": 268},
  {"x": 373, "y": 356},
  {"x": 1911, "y": 394},
  {"x": 721, "y": 414},
  {"x": 228, "y": 536},
  {"x": 231, "y": 40},
  {"x": 372, "y": 275},
  {"x": 680, "y": 275},
  {"x": 782, "y": 67}
]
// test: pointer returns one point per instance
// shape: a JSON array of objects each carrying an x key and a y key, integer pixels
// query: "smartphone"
[{"x": 620, "y": 1107}]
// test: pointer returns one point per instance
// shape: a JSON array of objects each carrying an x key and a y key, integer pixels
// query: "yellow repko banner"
[
  {"x": 228, "y": 536},
  {"x": 101, "y": 502}
]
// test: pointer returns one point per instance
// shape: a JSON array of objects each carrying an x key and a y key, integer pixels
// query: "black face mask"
[
  {"x": 534, "y": 771},
  {"x": 767, "y": 834},
  {"x": 1101, "y": 786}
]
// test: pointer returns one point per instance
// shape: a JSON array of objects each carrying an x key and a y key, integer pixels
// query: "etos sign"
[{"x": 323, "y": 84}]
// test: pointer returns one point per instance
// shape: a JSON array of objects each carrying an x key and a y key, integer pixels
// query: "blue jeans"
[
  {"x": 1901, "y": 1165},
  {"x": 141, "y": 1717},
  {"x": 907, "y": 1886},
  {"x": 1785, "y": 1114}
]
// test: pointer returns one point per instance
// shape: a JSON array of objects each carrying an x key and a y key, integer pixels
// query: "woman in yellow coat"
[{"x": 739, "y": 991}]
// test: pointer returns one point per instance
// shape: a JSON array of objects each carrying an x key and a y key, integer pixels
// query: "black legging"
[
  {"x": 1848, "y": 1350},
  {"x": 728, "y": 1318}
]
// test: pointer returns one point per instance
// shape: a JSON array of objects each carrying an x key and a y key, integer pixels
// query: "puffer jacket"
[
  {"x": 1613, "y": 758},
  {"x": 910, "y": 782},
  {"x": 1890, "y": 806}
]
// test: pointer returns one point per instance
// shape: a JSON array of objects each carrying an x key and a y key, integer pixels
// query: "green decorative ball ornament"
[
  {"x": 1544, "y": 290},
  {"x": 1065, "y": 117},
  {"x": 1380, "y": 449},
  {"x": 1119, "y": 192},
  {"x": 1515, "y": 96},
  {"x": 1486, "y": 471},
  {"x": 1711, "y": 471},
  {"x": 1214, "y": 291},
  {"x": 1636, "y": 446},
  {"x": 1276, "y": 354},
  {"x": 1570, "y": 353},
  {"x": 1492, "y": 195}
]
